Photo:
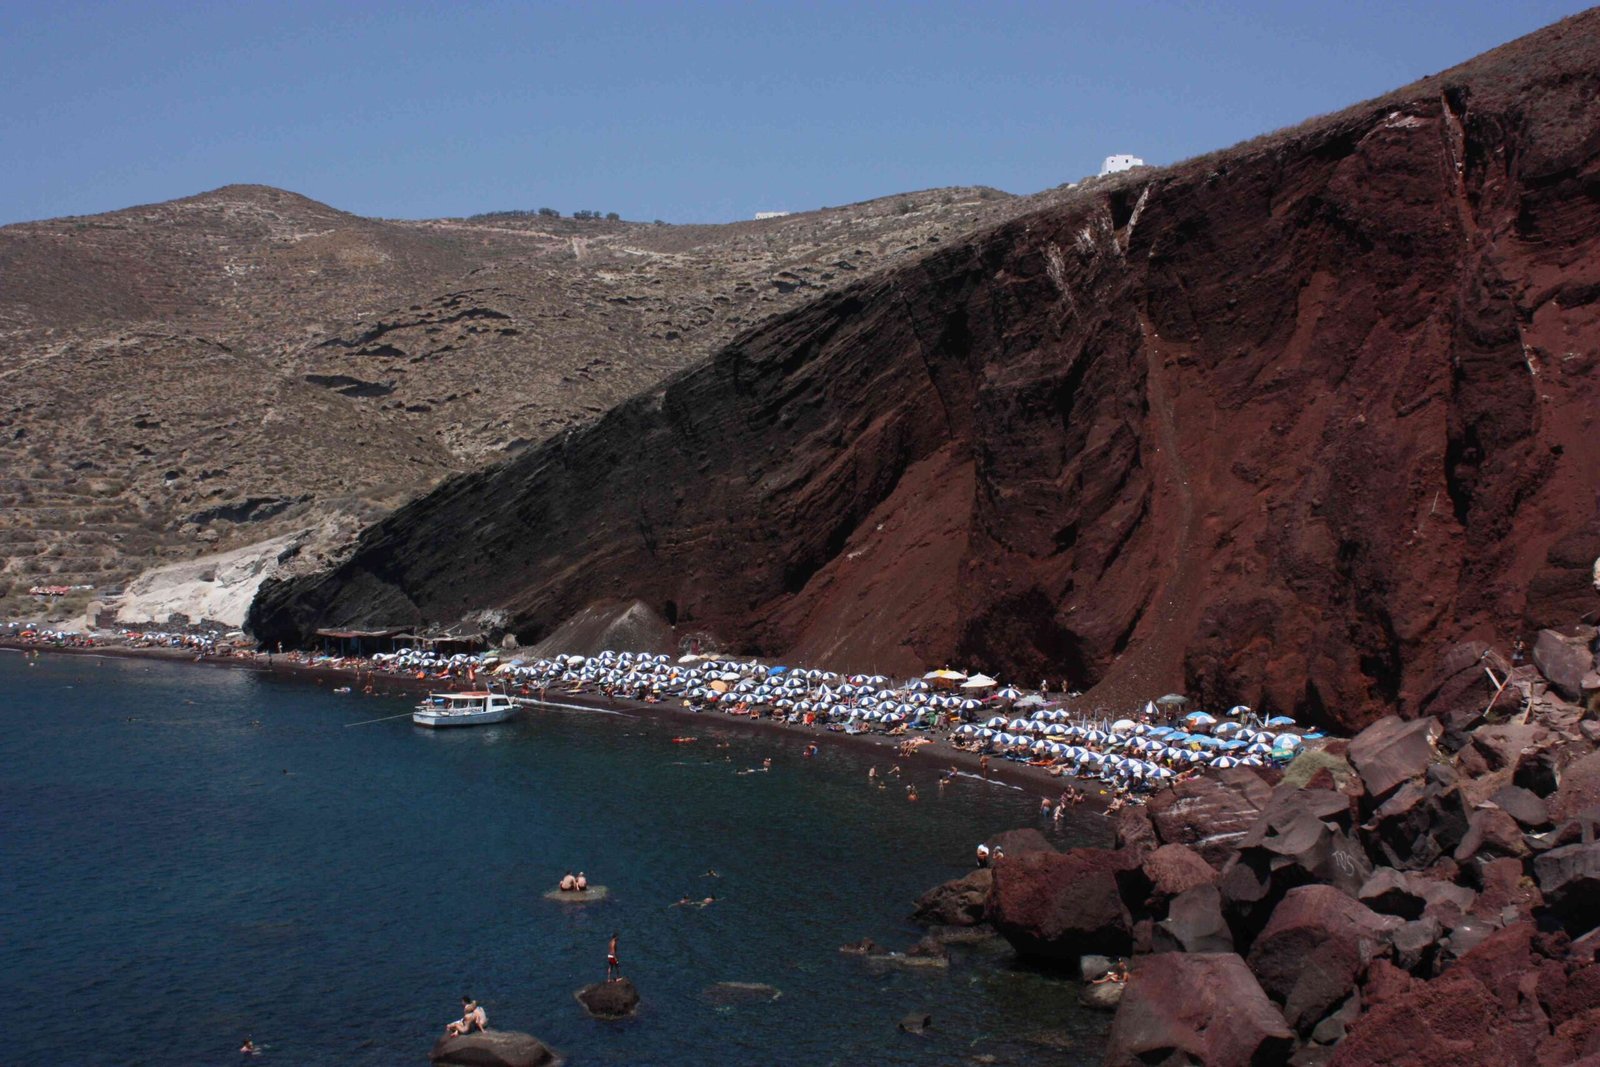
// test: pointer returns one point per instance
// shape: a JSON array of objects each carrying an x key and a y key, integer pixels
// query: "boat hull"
[{"x": 440, "y": 720}]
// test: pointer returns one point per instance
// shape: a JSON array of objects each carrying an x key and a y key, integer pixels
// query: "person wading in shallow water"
[{"x": 613, "y": 968}]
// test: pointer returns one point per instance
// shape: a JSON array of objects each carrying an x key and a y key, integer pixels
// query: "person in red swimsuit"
[{"x": 613, "y": 968}]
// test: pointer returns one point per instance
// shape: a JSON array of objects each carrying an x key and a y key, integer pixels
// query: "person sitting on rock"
[
  {"x": 568, "y": 883},
  {"x": 1118, "y": 973},
  {"x": 471, "y": 1015},
  {"x": 582, "y": 883}
]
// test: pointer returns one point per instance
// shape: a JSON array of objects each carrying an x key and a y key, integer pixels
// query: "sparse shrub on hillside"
[
  {"x": 612, "y": 216},
  {"x": 549, "y": 213},
  {"x": 904, "y": 207}
]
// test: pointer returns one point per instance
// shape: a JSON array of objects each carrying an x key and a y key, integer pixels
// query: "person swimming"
[{"x": 249, "y": 1048}]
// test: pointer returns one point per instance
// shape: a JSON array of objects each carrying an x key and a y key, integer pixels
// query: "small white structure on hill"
[
  {"x": 770, "y": 214},
  {"x": 1113, "y": 164}
]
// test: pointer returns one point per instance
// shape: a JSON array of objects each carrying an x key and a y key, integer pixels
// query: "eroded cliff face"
[{"x": 1275, "y": 426}]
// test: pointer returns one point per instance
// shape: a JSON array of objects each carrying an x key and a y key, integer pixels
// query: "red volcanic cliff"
[{"x": 1275, "y": 425}]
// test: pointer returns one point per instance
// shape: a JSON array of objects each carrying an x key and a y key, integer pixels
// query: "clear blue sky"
[{"x": 693, "y": 112}]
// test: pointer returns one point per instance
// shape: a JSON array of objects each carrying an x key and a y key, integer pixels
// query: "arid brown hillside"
[
  {"x": 1275, "y": 425},
  {"x": 212, "y": 371}
]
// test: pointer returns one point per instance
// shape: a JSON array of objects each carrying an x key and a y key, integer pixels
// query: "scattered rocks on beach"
[{"x": 493, "y": 1048}]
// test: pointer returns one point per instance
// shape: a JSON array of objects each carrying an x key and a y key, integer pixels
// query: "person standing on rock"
[{"x": 613, "y": 968}]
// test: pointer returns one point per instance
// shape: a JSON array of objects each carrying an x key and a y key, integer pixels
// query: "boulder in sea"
[
  {"x": 1016, "y": 842},
  {"x": 578, "y": 896},
  {"x": 958, "y": 902},
  {"x": 1102, "y": 996},
  {"x": 865, "y": 947},
  {"x": 1059, "y": 906},
  {"x": 493, "y": 1048},
  {"x": 609, "y": 1000},
  {"x": 1195, "y": 1007},
  {"x": 734, "y": 992},
  {"x": 915, "y": 1023}
]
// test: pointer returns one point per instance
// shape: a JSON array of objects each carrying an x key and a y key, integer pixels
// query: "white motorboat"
[{"x": 463, "y": 709}]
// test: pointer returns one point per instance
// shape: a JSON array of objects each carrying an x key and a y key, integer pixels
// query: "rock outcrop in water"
[
  {"x": 493, "y": 1048},
  {"x": 1279, "y": 425}
]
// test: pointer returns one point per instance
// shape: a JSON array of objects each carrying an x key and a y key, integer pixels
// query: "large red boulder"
[
  {"x": 1563, "y": 661},
  {"x": 1210, "y": 813},
  {"x": 1061, "y": 905},
  {"x": 1315, "y": 949},
  {"x": 1392, "y": 751},
  {"x": 1569, "y": 878},
  {"x": 1482, "y": 1011},
  {"x": 1579, "y": 789},
  {"x": 958, "y": 902},
  {"x": 1174, "y": 869},
  {"x": 1194, "y": 923},
  {"x": 1203, "y": 1007}
]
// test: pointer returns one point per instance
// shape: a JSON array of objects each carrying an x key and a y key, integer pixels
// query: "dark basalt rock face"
[{"x": 1282, "y": 425}]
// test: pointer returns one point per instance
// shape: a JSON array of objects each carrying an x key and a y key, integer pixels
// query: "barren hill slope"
[
  {"x": 214, "y": 370},
  {"x": 1276, "y": 425}
]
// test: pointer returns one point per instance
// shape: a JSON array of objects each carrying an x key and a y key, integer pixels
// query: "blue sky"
[{"x": 699, "y": 112}]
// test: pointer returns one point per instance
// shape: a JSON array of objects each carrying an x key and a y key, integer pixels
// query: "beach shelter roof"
[{"x": 979, "y": 681}]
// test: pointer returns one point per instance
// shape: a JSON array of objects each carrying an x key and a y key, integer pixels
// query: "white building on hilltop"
[
  {"x": 1113, "y": 164},
  {"x": 770, "y": 215}
]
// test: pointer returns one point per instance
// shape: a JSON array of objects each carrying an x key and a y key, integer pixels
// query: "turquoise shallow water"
[{"x": 166, "y": 888}]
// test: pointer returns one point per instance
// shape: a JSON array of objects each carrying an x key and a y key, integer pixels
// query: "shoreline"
[{"x": 935, "y": 756}]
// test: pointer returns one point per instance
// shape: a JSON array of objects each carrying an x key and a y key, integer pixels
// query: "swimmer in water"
[
  {"x": 911, "y": 793},
  {"x": 249, "y": 1048}
]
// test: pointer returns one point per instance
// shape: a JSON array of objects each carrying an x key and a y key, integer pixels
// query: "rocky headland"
[{"x": 1280, "y": 426}]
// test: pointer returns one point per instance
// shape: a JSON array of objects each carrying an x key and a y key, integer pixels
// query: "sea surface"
[{"x": 190, "y": 855}]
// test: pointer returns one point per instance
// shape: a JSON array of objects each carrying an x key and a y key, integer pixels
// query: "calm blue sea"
[{"x": 189, "y": 855}]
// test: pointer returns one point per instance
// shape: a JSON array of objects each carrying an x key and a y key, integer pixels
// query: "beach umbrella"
[
  {"x": 1010, "y": 692},
  {"x": 1172, "y": 700},
  {"x": 1224, "y": 762},
  {"x": 1280, "y": 720},
  {"x": 979, "y": 681}
]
